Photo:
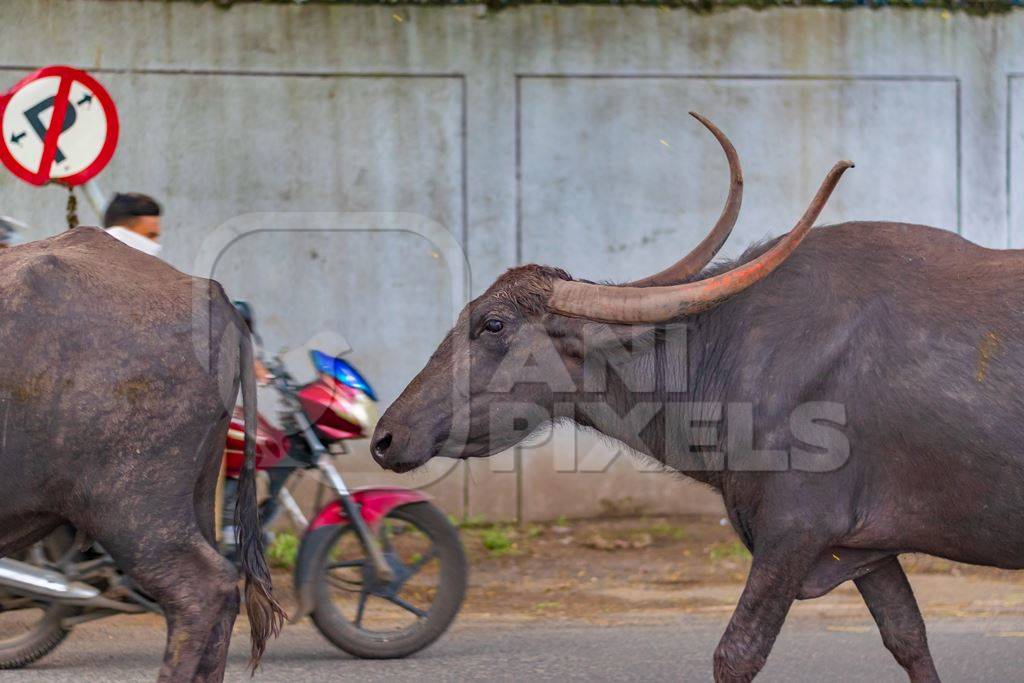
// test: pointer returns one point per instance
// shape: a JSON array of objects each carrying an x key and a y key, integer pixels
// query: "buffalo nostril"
[{"x": 380, "y": 446}]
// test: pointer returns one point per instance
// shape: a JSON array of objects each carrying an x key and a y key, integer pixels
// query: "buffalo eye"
[{"x": 494, "y": 325}]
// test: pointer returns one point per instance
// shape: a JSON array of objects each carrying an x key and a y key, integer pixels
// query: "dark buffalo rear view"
[
  {"x": 117, "y": 377},
  {"x": 852, "y": 399}
]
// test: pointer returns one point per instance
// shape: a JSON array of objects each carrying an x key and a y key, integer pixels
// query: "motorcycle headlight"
[{"x": 363, "y": 412}]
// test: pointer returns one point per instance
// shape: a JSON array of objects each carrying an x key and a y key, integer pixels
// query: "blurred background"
[{"x": 369, "y": 157}]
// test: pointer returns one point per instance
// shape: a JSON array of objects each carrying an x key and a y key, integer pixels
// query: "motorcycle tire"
[
  {"x": 38, "y": 642},
  {"x": 48, "y": 632},
  {"x": 451, "y": 589}
]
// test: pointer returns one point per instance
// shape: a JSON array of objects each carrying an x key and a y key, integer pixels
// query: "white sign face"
[{"x": 39, "y": 149}]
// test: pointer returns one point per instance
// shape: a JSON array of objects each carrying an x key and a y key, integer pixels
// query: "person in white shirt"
[{"x": 134, "y": 219}]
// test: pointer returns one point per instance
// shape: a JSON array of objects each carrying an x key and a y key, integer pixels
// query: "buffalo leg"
[
  {"x": 891, "y": 601},
  {"x": 779, "y": 567},
  {"x": 215, "y": 657},
  {"x": 196, "y": 613},
  {"x": 194, "y": 585}
]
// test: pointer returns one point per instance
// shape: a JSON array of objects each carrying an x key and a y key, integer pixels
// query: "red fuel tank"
[
  {"x": 271, "y": 444},
  {"x": 337, "y": 410}
]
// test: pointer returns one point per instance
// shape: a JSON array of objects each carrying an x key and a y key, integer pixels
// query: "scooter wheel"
[{"x": 373, "y": 619}]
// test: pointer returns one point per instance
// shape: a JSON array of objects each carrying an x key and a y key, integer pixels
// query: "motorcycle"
[{"x": 380, "y": 570}]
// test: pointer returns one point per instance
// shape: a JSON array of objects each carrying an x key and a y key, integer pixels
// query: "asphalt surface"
[{"x": 809, "y": 649}]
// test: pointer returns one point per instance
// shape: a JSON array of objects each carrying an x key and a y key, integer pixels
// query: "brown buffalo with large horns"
[{"x": 852, "y": 399}]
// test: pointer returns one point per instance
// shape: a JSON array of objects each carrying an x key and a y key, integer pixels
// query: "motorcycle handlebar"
[{"x": 279, "y": 375}]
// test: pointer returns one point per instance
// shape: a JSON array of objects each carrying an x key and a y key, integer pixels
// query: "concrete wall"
[{"x": 363, "y": 148}]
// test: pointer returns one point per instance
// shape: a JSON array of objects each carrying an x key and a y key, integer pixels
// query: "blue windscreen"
[{"x": 341, "y": 371}]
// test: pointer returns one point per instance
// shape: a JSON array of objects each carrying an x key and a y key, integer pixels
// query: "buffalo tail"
[{"x": 265, "y": 614}]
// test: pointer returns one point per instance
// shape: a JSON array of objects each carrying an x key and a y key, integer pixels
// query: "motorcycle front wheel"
[{"x": 376, "y": 619}]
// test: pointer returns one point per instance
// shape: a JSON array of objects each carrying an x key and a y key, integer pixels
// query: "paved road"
[{"x": 809, "y": 649}]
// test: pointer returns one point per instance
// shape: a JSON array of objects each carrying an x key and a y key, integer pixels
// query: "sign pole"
[{"x": 97, "y": 200}]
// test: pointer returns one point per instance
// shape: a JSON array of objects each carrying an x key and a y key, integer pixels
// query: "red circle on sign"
[{"x": 41, "y": 175}]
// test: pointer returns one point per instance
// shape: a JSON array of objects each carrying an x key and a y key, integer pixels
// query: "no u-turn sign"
[{"x": 58, "y": 124}]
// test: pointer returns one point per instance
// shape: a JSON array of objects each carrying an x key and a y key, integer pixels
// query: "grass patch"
[
  {"x": 497, "y": 541},
  {"x": 471, "y": 522},
  {"x": 729, "y": 551},
  {"x": 541, "y": 606},
  {"x": 663, "y": 529},
  {"x": 475, "y": 522},
  {"x": 283, "y": 552}
]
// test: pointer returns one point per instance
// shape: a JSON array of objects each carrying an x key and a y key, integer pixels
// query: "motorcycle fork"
[{"x": 369, "y": 540}]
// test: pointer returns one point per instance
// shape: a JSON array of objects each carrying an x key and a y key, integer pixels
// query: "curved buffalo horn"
[
  {"x": 623, "y": 304},
  {"x": 694, "y": 262}
]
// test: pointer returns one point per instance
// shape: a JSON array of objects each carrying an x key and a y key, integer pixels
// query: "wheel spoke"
[
  {"x": 343, "y": 584},
  {"x": 346, "y": 563},
  {"x": 426, "y": 557},
  {"x": 408, "y": 606},
  {"x": 363, "y": 595},
  {"x": 16, "y": 603}
]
